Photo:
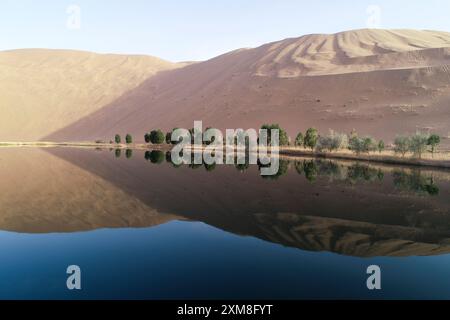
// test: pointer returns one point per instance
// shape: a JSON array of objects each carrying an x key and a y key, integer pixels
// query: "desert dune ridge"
[{"x": 378, "y": 82}]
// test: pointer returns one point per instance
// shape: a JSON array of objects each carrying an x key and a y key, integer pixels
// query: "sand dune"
[
  {"x": 45, "y": 90},
  {"x": 353, "y": 51},
  {"x": 381, "y": 83}
]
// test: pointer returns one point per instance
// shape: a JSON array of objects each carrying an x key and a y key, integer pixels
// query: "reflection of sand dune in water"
[
  {"x": 40, "y": 193},
  {"x": 361, "y": 219},
  {"x": 352, "y": 237}
]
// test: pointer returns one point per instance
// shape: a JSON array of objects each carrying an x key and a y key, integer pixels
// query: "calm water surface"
[{"x": 141, "y": 228}]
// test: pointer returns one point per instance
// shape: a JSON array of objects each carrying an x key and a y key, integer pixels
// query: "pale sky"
[{"x": 198, "y": 29}]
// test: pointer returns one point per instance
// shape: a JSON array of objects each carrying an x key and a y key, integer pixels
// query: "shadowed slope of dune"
[
  {"x": 41, "y": 193},
  {"x": 378, "y": 82},
  {"x": 45, "y": 90}
]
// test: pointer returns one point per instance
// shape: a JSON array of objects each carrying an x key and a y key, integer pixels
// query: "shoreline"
[{"x": 387, "y": 157}]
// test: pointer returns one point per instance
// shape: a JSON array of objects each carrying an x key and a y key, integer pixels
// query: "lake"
[{"x": 140, "y": 227}]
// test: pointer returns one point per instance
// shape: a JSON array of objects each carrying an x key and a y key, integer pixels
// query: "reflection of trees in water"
[
  {"x": 414, "y": 182},
  {"x": 315, "y": 168},
  {"x": 242, "y": 167},
  {"x": 118, "y": 153},
  {"x": 358, "y": 172},
  {"x": 337, "y": 172},
  {"x": 129, "y": 153},
  {"x": 210, "y": 167},
  {"x": 311, "y": 170},
  {"x": 282, "y": 169},
  {"x": 155, "y": 156}
]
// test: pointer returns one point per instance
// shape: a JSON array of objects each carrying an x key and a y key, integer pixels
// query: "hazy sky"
[{"x": 198, "y": 29}]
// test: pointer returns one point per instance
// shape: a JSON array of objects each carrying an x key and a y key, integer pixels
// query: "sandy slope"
[
  {"x": 379, "y": 82},
  {"x": 352, "y": 51},
  {"x": 45, "y": 90}
]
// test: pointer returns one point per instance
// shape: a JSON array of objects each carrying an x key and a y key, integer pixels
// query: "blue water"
[
  {"x": 141, "y": 228},
  {"x": 186, "y": 260}
]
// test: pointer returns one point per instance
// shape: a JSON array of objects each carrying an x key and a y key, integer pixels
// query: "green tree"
[
  {"x": 333, "y": 141},
  {"x": 283, "y": 136},
  {"x": 129, "y": 139},
  {"x": 157, "y": 137},
  {"x": 147, "y": 137},
  {"x": 434, "y": 140},
  {"x": 418, "y": 144},
  {"x": 369, "y": 144},
  {"x": 299, "y": 140},
  {"x": 401, "y": 145},
  {"x": 117, "y": 139},
  {"x": 362, "y": 145},
  {"x": 311, "y": 138}
]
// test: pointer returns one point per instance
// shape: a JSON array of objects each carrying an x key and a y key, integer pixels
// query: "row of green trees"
[
  {"x": 417, "y": 144},
  {"x": 128, "y": 139}
]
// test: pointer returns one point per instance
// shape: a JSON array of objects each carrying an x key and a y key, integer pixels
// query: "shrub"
[{"x": 117, "y": 139}]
